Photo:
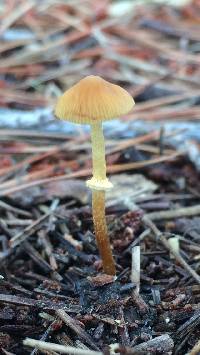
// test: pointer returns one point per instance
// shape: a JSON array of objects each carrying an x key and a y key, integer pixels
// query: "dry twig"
[
  {"x": 158, "y": 234},
  {"x": 42, "y": 345}
]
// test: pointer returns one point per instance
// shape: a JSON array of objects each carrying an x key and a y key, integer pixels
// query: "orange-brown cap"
[{"x": 93, "y": 99}]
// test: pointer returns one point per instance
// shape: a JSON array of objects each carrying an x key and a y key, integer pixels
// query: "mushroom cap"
[{"x": 93, "y": 99}]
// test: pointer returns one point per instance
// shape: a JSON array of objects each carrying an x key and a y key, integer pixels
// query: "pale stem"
[
  {"x": 135, "y": 267},
  {"x": 98, "y": 151}
]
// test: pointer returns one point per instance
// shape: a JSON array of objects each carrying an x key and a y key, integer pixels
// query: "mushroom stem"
[
  {"x": 99, "y": 181},
  {"x": 99, "y": 219},
  {"x": 98, "y": 151}
]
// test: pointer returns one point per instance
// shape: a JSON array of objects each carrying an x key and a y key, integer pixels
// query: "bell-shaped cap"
[{"x": 93, "y": 99}]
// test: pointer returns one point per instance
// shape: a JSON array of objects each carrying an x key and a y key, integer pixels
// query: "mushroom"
[{"x": 91, "y": 101}]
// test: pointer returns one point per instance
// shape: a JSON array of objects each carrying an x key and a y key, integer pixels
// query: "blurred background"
[
  {"x": 47, "y": 247},
  {"x": 151, "y": 48}
]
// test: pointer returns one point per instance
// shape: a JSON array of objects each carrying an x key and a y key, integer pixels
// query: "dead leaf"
[
  {"x": 127, "y": 188},
  {"x": 67, "y": 188}
]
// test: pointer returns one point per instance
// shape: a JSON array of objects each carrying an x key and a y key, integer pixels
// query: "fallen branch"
[
  {"x": 161, "y": 344},
  {"x": 21, "y": 236},
  {"x": 41, "y": 304},
  {"x": 71, "y": 323},
  {"x": 178, "y": 213}
]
